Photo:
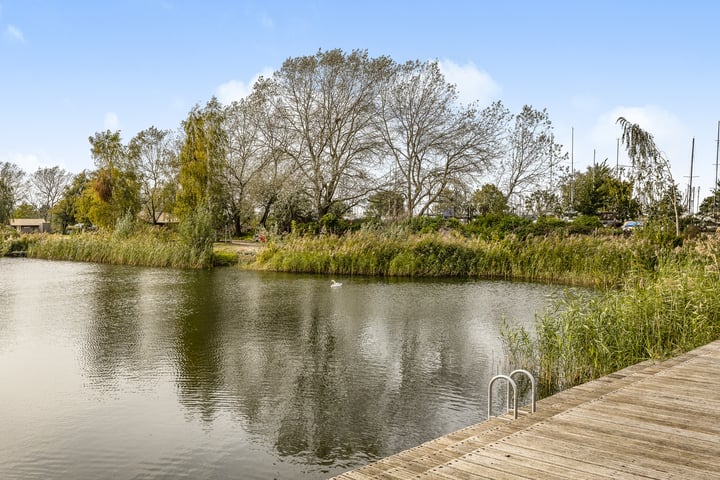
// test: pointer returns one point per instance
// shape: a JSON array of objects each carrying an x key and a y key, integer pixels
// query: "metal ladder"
[{"x": 511, "y": 383}]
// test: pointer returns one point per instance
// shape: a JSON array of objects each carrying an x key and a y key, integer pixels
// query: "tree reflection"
[
  {"x": 199, "y": 346},
  {"x": 113, "y": 335}
]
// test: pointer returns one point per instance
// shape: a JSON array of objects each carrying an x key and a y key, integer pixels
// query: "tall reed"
[
  {"x": 581, "y": 260},
  {"x": 656, "y": 313},
  {"x": 145, "y": 248}
]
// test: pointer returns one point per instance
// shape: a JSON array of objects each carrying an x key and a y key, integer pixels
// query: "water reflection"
[
  {"x": 199, "y": 346},
  {"x": 221, "y": 374}
]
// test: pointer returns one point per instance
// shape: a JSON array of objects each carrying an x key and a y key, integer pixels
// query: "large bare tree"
[
  {"x": 326, "y": 104},
  {"x": 153, "y": 153},
  {"x": 248, "y": 156},
  {"x": 47, "y": 188},
  {"x": 533, "y": 159},
  {"x": 434, "y": 141}
]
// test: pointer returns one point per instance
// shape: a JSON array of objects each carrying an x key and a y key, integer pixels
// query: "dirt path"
[{"x": 245, "y": 251}]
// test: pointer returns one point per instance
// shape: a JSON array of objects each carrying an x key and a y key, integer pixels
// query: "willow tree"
[
  {"x": 326, "y": 105},
  {"x": 434, "y": 141},
  {"x": 202, "y": 158},
  {"x": 651, "y": 172}
]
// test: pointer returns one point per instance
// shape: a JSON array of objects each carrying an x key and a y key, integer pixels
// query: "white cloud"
[
  {"x": 266, "y": 21},
  {"x": 235, "y": 90},
  {"x": 472, "y": 83},
  {"x": 14, "y": 34},
  {"x": 28, "y": 162},
  {"x": 671, "y": 136},
  {"x": 111, "y": 121}
]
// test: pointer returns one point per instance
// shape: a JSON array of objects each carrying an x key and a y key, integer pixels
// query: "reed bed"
[
  {"x": 151, "y": 249},
  {"x": 655, "y": 314},
  {"x": 573, "y": 260}
]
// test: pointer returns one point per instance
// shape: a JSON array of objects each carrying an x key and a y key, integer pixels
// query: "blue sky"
[{"x": 73, "y": 68}]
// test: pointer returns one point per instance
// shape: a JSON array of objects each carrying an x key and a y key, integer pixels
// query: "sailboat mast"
[
  {"x": 690, "y": 189},
  {"x": 715, "y": 186}
]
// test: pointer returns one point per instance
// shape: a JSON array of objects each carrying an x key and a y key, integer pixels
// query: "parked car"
[{"x": 631, "y": 225}]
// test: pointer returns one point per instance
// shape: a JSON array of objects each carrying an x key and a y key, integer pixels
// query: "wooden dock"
[{"x": 652, "y": 420}]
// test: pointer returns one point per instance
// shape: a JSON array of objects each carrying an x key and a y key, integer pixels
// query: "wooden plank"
[
  {"x": 654, "y": 458},
  {"x": 582, "y": 470},
  {"x": 571, "y": 453},
  {"x": 543, "y": 465}
]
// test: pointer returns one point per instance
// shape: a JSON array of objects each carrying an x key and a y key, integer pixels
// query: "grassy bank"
[
  {"x": 151, "y": 249},
  {"x": 653, "y": 315},
  {"x": 573, "y": 260}
]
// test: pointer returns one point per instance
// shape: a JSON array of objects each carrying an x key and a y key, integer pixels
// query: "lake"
[{"x": 139, "y": 373}]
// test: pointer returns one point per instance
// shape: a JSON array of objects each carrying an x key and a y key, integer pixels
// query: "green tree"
[
  {"x": 386, "y": 205},
  {"x": 598, "y": 191},
  {"x": 202, "y": 159},
  {"x": 114, "y": 183},
  {"x": 12, "y": 190},
  {"x": 26, "y": 210},
  {"x": 710, "y": 206},
  {"x": 489, "y": 200},
  {"x": 7, "y": 202},
  {"x": 71, "y": 208},
  {"x": 542, "y": 203}
]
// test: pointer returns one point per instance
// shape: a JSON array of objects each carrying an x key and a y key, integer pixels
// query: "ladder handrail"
[
  {"x": 511, "y": 383},
  {"x": 532, "y": 386}
]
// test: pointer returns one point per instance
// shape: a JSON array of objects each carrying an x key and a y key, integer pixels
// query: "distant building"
[
  {"x": 167, "y": 219},
  {"x": 30, "y": 225}
]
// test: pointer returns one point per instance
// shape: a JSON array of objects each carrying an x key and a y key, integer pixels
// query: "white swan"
[{"x": 334, "y": 284}]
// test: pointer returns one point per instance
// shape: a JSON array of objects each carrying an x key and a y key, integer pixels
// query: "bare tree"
[
  {"x": 533, "y": 158},
  {"x": 248, "y": 156},
  {"x": 47, "y": 188},
  {"x": 432, "y": 140},
  {"x": 326, "y": 104},
  {"x": 153, "y": 153},
  {"x": 651, "y": 172},
  {"x": 278, "y": 180}
]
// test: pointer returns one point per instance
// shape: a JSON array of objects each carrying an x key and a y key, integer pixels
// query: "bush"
[
  {"x": 584, "y": 225},
  {"x": 197, "y": 234},
  {"x": 224, "y": 259}
]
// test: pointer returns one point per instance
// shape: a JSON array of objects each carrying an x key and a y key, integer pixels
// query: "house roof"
[{"x": 27, "y": 222}]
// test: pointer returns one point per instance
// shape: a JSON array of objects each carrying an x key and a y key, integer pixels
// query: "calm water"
[{"x": 135, "y": 373}]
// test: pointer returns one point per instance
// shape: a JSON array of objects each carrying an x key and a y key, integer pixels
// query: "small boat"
[{"x": 334, "y": 284}]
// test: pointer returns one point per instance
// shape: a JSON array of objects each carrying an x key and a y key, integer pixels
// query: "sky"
[{"x": 72, "y": 68}]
